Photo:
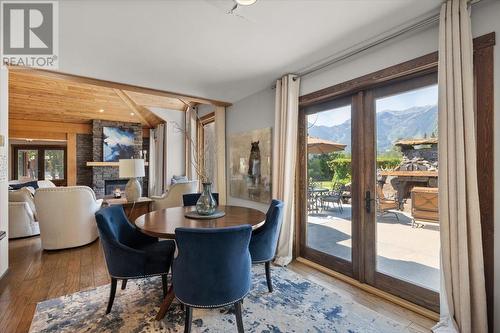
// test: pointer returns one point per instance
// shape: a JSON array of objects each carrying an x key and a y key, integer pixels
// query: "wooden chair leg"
[
  {"x": 239, "y": 316},
  {"x": 164, "y": 284},
  {"x": 112, "y": 293},
  {"x": 188, "y": 318},
  {"x": 124, "y": 284},
  {"x": 268, "y": 277}
]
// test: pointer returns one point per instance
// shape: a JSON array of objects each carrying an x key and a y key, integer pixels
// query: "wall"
[
  {"x": 176, "y": 141},
  {"x": 4, "y": 201},
  {"x": 253, "y": 112},
  {"x": 257, "y": 111}
]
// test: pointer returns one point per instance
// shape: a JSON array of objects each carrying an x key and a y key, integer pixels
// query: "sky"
[{"x": 419, "y": 97}]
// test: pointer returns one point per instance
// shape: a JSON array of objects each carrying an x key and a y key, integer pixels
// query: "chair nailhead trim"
[
  {"x": 139, "y": 277},
  {"x": 211, "y": 306}
]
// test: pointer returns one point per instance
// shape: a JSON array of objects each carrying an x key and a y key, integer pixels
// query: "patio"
[{"x": 410, "y": 254}]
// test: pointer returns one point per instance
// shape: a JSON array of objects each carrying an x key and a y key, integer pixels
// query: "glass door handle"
[{"x": 368, "y": 202}]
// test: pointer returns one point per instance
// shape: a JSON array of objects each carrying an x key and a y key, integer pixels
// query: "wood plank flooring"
[{"x": 37, "y": 275}]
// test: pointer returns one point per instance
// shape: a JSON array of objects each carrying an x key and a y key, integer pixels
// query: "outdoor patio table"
[{"x": 315, "y": 194}]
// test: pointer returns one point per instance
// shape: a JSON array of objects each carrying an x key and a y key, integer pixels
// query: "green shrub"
[{"x": 342, "y": 167}]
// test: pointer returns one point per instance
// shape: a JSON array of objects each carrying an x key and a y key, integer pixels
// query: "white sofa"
[
  {"x": 173, "y": 197},
  {"x": 22, "y": 214},
  {"x": 66, "y": 216}
]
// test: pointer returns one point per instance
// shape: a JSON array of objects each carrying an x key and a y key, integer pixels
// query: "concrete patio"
[{"x": 410, "y": 254}]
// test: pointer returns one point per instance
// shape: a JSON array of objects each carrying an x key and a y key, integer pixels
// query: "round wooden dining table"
[{"x": 162, "y": 224}]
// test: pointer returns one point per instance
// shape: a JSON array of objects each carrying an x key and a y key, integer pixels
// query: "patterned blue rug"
[{"x": 296, "y": 305}]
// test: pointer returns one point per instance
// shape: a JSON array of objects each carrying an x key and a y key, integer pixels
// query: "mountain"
[{"x": 415, "y": 122}]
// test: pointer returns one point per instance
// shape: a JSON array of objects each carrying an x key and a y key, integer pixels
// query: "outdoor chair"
[
  {"x": 334, "y": 197},
  {"x": 386, "y": 205}
]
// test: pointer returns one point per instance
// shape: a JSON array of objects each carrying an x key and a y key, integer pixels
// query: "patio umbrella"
[{"x": 322, "y": 146}]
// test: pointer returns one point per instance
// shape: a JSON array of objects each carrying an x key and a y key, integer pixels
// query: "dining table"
[{"x": 162, "y": 224}]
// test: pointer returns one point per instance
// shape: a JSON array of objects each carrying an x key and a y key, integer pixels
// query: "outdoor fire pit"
[{"x": 419, "y": 167}]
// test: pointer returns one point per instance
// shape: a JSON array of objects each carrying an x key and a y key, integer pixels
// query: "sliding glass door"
[{"x": 368, "y": 190}]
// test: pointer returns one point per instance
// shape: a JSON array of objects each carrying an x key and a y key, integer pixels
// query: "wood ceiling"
[{"x": 53, "y": 96}]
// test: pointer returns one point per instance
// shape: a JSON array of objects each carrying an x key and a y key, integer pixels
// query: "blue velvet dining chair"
[
  {"x": 190, "y": 199},
  {"x": 265, "y": 239},
  {"x": 212, "y": 269},
  {"x": 129, "y": 253}
]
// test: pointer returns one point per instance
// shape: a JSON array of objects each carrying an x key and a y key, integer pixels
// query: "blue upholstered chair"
[
  {"x": 212, "y": 269},
  {"x": 190, "y": 199},
  {"x": 129, "y": 253},
  {"x": 265, "y": 239}
]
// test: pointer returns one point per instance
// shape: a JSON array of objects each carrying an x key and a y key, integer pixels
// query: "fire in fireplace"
[{"x": 110, "y": 185}]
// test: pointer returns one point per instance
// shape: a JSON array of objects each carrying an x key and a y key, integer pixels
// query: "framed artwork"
[
  {"x": 117, "y": 143},
  {"x": 250, "y": 165}
]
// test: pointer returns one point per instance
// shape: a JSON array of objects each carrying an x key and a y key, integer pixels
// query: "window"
[
  {"x": 207, "y": 153},
  {"x": 36, "y": 162}
]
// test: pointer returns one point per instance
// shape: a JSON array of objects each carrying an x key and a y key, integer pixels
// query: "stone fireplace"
[{"x": 107, "y": 176}]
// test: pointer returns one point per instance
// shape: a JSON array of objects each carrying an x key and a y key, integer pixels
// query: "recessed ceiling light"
[
  {"x": 245, "y": 2},
  {"x": 131, "y": 113},
  {"x": 101, "y": 110}
]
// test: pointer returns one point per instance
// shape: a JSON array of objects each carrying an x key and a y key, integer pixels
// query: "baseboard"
[
  {"x": 372, "y": 290},
  {"x": 4, "y": 273}
]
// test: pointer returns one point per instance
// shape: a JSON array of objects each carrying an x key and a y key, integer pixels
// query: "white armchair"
[
  {"x": 66, "y": 216},
  {"x": 22, "y": 221},
  {"x": 173, "y": 198},
  {"x": 22, "y": 214}
]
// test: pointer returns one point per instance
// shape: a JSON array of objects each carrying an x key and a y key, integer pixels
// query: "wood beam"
[
  {"x": 36, "y": 135},
  {"x": 71, "y": 158},
  {"x": 132, "y": 106},
  {"x": 48, "y": 126}
]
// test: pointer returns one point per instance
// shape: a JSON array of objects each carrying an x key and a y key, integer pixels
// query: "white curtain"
[
  {"x": 463, "y": 296},
  {"x": 285, "y": 159},
  {"x": 158, "y": 145},
  {"x": 191, "y": 143},
  {"x": 220, "y": 140}
]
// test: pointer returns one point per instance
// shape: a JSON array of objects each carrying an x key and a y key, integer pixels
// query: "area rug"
[{"x": 296, "y": 305}]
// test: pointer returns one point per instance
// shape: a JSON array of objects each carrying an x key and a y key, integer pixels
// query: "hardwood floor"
[{"x": 37, "y": 275}]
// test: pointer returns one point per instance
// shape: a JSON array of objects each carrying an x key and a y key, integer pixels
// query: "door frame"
[
  {"x": 332, "y": 262},
  {"x": 409, "y": 291},
  {"x": 484, "y": 80},
  {"x": 41, "y": 160}
]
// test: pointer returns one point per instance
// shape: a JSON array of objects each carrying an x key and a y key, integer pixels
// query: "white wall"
[
  {"x": 176, "y": 141},
  {"x": 257, "y": 111},
  {"x": 4, "y": 201}
]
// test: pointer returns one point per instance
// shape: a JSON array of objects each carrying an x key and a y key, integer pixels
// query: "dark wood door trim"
[
  {"x": 335, "y": 263},
  {"x": 411, "y": 292},
  {"x": 405, "y": 69},
  {"x": 484, "y": 80},
  {"x": 41, "y": 161}
]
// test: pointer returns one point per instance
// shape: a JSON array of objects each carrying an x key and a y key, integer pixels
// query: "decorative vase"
[{"x": 206, "y": 204}]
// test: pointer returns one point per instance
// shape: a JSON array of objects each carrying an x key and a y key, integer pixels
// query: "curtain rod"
[{"x": 373, "y": 42}]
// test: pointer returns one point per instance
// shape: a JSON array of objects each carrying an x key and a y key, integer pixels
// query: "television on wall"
[{"x": 117, "y": 143}]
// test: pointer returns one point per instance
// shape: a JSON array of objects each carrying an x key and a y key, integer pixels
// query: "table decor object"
[{"x": 132, "y": 169}]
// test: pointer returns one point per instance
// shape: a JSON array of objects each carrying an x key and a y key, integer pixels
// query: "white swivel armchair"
[
  {"x": 66, "y": 216},
  {"x": 22, "y": 214},
  {"x": 173, "y": 198}
]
